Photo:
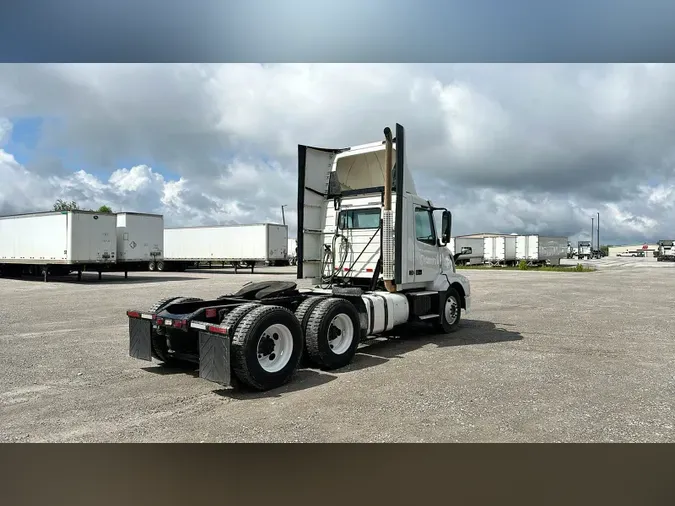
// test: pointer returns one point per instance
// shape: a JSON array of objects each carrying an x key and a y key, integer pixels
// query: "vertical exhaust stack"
[
  {"x": 388, "y": 217},
  {"x": 598, "y": 231}
]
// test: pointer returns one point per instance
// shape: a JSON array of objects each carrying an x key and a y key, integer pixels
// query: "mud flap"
[
  {"x": 214, "y": 358},
  {"x": 442, "y": 297},
  {"x": 140, "y": 339}
]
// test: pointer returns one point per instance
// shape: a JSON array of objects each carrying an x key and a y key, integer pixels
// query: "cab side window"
[{"x": 424, "y": 226}]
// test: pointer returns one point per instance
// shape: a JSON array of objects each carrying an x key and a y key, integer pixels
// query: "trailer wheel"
[
  {"x": 151, "y": 266},
  {"x": 333, "y": 333},
  {"x": 451, "y": 312},
  {"x": 160, "y": 265},
  {"x": 266, "y": 347}
]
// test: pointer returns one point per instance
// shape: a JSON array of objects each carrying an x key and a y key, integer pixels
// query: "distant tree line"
[{"x": 63, "y": 205}]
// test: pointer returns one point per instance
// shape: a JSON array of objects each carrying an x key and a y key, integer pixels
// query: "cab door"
[{"x": 425, "y": 239}]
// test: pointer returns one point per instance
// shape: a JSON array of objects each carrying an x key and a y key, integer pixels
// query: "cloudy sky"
[{"x": 508, "y": 147}]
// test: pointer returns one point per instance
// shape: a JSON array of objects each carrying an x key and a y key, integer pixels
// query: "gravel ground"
[{"x": 543, "y": 356}]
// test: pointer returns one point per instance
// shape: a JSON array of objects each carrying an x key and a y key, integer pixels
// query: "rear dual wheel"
[
  {"x": 266, "y": 345},
  {"x": 332, "y": 333}
]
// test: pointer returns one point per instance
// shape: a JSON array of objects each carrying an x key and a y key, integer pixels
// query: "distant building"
[{"x": 613, "y": 251}]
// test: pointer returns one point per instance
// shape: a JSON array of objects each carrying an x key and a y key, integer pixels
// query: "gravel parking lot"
[{"x": 543, "y": 356}]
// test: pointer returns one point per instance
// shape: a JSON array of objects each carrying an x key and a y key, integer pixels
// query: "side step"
[{"x": 428, "y": 316}]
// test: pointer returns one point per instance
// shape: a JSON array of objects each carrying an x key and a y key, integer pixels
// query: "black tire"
[
  {"x": 245, "y": 347},
  {"x": 304, "y": 310},
  {"x": 159, "y": 346},
  {"x": 447, "y": 326},
  {"x": 302, "y": 313},
  {"x": 160, "y": 265},
  {"x": 320, "y": 351},
  {"x": 232, "y": 319},
  {"x": 151, "y": 266}
]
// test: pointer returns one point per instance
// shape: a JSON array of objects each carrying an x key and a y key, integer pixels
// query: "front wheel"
[{"x": 451, "y": 312}]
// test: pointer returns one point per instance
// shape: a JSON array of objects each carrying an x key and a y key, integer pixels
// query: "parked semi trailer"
[
  {"x": 540, "y": 250},
  {"x": 369, "y": 245},
  {"x": 140, "y": 241},
  {"x": 57, "y": 243},
  {"x": 470, "y": 249},
  {"x": 500, "y": 250},
  {"x": 666, "y": 251},
  {"x": 234, "y": 245}
]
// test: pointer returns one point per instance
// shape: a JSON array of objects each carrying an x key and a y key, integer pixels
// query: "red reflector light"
[
  {"x": 346, "y": 269},
  {"x": 211, "y": 313},
  {"x": 180, "y": 323},
  {"x": 369, "y": 270},
  {"x": 217, "y": 329},
  {"x": 133, "y": 314}
]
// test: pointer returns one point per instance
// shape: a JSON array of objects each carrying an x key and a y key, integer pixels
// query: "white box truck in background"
[
  {"x": 500, "y": 250},
  {"x": 140, "y": 241},
  {"x": 584, "y": 250},
  {"x": 234, "y": 245},
  {"x": 57, "y": 243},
  {"x": 474, "y": 257},
  {"x": 539, "y": 249}
]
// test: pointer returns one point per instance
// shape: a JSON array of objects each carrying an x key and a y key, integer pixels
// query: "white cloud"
[
  {"x": 535, "y": 148},
  {"x": 5, "y": 130}
]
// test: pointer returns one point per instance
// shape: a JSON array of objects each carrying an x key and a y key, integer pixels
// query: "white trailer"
[
  {"x": 57, "y": 242},
  {"x": 140, "y": 240},
  {"x": 376, "y": 258},
  {"x": 537, "y": 249},
  {"x": 224, "y": 245},
  {"x": 471, "y": 250},
  {"x": 500, "y": 250}
]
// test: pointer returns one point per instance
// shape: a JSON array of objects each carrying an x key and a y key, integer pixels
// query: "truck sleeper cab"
[{"x": 373, "y": 251}]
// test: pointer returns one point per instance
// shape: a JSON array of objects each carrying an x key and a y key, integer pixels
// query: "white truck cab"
[{"x": 363, "y": 226}]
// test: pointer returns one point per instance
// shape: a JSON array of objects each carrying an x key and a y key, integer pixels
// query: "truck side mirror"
[{"x": 446, "y": 226}]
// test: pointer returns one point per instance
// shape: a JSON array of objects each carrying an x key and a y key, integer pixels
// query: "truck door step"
[{"x": 428, "y": 316}]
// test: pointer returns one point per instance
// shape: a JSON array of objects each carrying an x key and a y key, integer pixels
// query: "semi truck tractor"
[
  {"x": 371, "y": 255},
  {"x": 666, "y": 251}
]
